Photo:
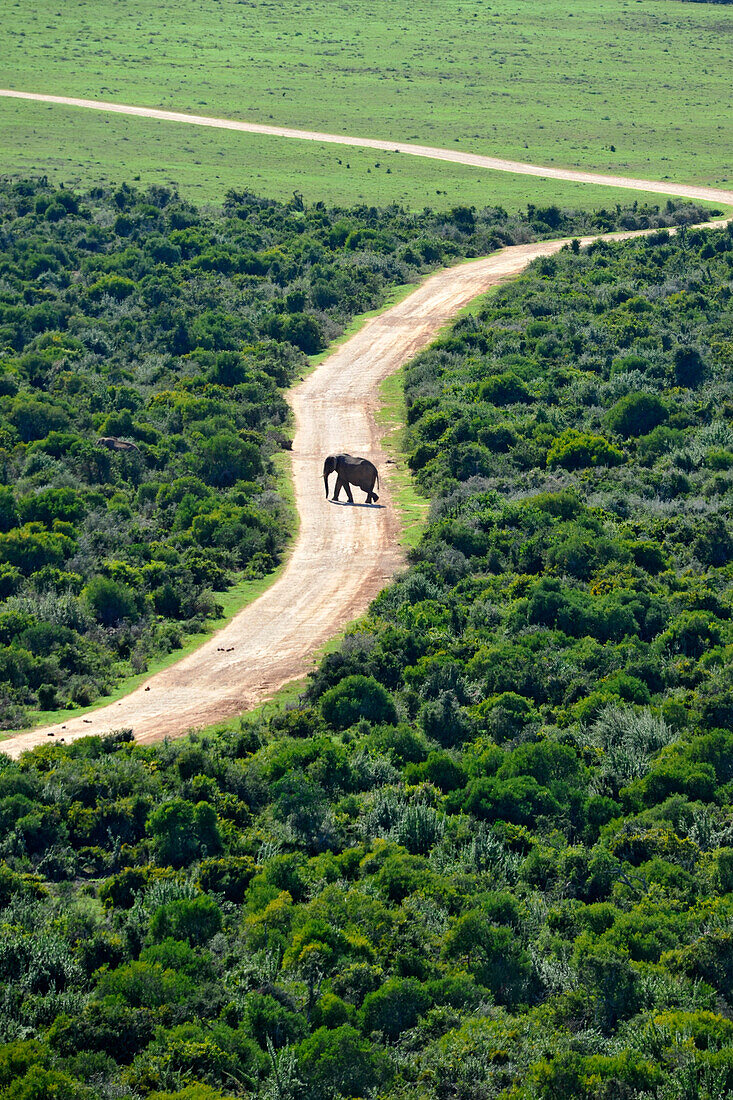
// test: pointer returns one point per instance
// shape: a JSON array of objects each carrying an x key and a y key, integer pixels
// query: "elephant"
[
  {"x": 351, "y": 471},
  {"x": 112, "y": 443}
]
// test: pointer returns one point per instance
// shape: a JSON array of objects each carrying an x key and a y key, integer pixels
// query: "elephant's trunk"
[{"x": 325, "y": 482}]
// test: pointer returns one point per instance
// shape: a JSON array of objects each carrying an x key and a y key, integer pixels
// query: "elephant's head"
[{"x": 328, "y": 467}]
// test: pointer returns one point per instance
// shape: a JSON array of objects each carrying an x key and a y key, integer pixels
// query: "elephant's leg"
[{"x": 341, "y": 483}]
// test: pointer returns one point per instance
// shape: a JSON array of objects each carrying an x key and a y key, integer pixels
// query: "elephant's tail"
[{"x": 377, "y": 478}]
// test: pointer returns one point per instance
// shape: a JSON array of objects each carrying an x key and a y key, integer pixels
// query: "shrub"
[
  {"x": 492, "y": 953},
  {"x": 229, "y": 876},
  {"x": 519, "y": 800},
  {"x": 110, "y": 600},
  {"x": 692, "y": 633},
  {"x": 506, "y": 714},
  {"x": 711, "y": 959},
  {"x": 357, "y": 697},
  {"x": 612, "y": 979},
  {"x": 115, "y": 286},
  {"x": 661, "y": 441},
  {"x": 172, "y": 827},
  {"x": 689, "y": 367},
  {"x": 101, "y": 1027},
  {"x": 330, "y": 1011},
  {"x": 266, "y": 1019},
  {"x": 636, "y": 414},
  {"x": 225, "y": 458},
  {"x": 34, "y": 418},
  {"x": 304, "y": 331},
  {"x": 145, "y": 985},
  {"x": 724, "y": 868},
  {"x": 192, "y": 1092},
  {"x": 444, "y": 720},
  {"x": 341, "y": 1060},
  {"x": 395, "y": 1007},
  {"x": 30, "y": 548},
  {"x": 8, "y": 509},
  {"x": 192, "y": 919},
  {"x": 443, "y": 770},
  {"x": 574, "y": 450},
  {"x": 46, "y": 1084},
  {"x": 504, "y": 389}
]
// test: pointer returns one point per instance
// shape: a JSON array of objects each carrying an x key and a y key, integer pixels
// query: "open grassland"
[
  {"x": 639, "y": 87},
  {"x": 83, "y": 148}
]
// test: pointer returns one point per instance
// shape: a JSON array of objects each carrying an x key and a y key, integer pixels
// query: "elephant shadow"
[{"x": 355, "y": 504}]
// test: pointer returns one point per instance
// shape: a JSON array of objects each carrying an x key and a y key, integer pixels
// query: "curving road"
[
  {"x": 343, "y": 555},
  {"x": 475, "y": 160}
]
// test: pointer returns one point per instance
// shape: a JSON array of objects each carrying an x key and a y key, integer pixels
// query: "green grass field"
[
  {"x": 623, "y": 86},
  {"x": 83, "y": 148}
]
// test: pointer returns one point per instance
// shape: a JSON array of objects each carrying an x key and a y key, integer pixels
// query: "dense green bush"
[
  {"x": 574, "y": 450},
  {"x": 357, "y": 697},
  {"x": 636, "y": 414},
  {"x": 194, "y": 919},
  {"x": 395, "y": 1006},
  {"x": 489, "y": 852},
  {"x": 136, "y": 317},
  {"x": 110, "y": 601}
]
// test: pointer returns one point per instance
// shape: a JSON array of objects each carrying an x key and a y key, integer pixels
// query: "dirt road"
[
  {"x": 476, "y": 160},
  {"x": 343, "y": 555}
]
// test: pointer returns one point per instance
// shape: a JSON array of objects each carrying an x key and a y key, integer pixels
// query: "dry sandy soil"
[
  {"x": 344, "y": 555},
  {"x": 704, "y": 194}
]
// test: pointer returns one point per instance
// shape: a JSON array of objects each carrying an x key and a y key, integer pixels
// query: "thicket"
[
  {"x": 134, "y": 316},
  {"x": 489, "y": 856}
]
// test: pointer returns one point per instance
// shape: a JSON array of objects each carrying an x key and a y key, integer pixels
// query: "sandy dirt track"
[
  {"x": 476, "y": 160},
  {"x": 343, "y": 555}
]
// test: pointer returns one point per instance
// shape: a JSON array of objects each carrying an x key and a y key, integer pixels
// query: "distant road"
[{"x": 475, "y": 160}]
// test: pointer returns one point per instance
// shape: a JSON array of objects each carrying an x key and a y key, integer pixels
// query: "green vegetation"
[
  {"x": 169, "y": 333},
  {"x": 643, "y": 91},
  {"x": 82, "y": 148},
  {"x": 488, "y": 855},
  {"x": 391, "y": 417}
]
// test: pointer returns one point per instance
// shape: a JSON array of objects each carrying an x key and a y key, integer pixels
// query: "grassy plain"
[
  {"x": 623, "y": 86},
  {"x": 84, "y": 148}
]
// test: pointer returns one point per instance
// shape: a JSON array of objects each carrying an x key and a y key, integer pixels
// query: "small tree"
[
  {"x": 689, "y": 367},
  {"x": 110, "y": 601},
  {"x": 357, "y": 697},
  {"x": 192, "y": 919},
  {"x": 172, "y": 827},
  {"x": 636, "y": 414},
  {"x": 225, "y": 458},
  {"x": 395, "y": 1007}
]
